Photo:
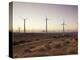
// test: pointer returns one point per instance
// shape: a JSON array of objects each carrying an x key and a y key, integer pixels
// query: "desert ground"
[{"x": 44, "y": 44}]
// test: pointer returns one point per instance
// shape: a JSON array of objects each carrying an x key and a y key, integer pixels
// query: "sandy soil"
[{"x": 44, "y": 44}]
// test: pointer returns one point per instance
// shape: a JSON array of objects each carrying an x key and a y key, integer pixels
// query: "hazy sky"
[{"x": 35, "y": 15}]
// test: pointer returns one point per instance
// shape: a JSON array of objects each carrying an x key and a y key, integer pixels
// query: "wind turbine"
[
  {"x": 19, "y": 29},
  {"x": 46, "y": 23},
  {"x": 24, "y": 25},
  {"x": 24, "y": 19},
  {"x": 63, "y": 24}
]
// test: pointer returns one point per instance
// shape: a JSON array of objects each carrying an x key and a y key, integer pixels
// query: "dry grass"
[{"x": 37, "y": 44}]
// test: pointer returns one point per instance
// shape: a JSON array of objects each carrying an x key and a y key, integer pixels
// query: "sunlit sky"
[{"x": 35, "y": 15}]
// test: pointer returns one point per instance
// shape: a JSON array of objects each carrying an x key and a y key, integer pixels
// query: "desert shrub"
[
  {"x": 28, "y": 41},
  {"x": 67, "y": 42},
  {"x": 17, "y": 43},
  {"x": 42, "y": 49},
  {"x": 36, "y": 39},
  {"x": 27, "y": 50},
  {"x": 76, "y": 39},
  {"x": 22, "y": 41},
  {"x": 50, "y": 42},
  {"x": 72, "y": 50},
  {"x": 57, "y": 46},
  {"x": 54, "y": 36},
  {"x": 31, "y": 47},
  {"x": 48, "y": 47}
]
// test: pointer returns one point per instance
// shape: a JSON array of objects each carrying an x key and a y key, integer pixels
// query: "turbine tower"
[
  {"x": 46, "y": 23},
  {"x": 19, "y": 29},
  {"x": 24, "y": 19},
  {"x": 63, "y": 27},
  {"x": 24, "y": 25}
]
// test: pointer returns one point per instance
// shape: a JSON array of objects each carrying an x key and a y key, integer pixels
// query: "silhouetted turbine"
[
  {"x": 46, "y": 23},
  {"x": 24, "y": 25},
  {"x": 19, "y": 29},
  {"x": 63, "y": 27}
]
